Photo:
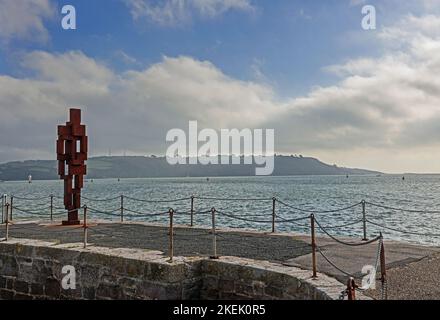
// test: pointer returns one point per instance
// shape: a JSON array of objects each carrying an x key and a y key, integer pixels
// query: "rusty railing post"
[
  {"x": 171, "y": 234},
  {"x": 364, "y": 221},
  {"x": 312, "y": 230},
  {"x": 273, "y": 214},
  {"x": 51, "y": 207},
  {"x": 192, "y": 211},
  {"x": 85, "y": 226},
  {"x": 383, "y": 270},
  {"x": 122, "y": 208},
  {"x": 10, "y": 208},
  {"x": 7, "y": 222},
  {"x": 214, "y": 236},
  {"x": 351, "y": 289}
]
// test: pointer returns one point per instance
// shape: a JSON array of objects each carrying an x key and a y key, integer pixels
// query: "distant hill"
[{"x": 148, "y": 167}]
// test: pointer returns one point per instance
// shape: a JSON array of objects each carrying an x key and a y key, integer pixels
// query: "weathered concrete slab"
[{"x": 352, "y": 259}]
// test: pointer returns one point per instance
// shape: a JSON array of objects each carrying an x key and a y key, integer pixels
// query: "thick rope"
[
  {"x": 401, "y": 209},
  {"x": 405, "y": 232},
  {"x": 347, "y": 243},
  {"x": 157, "y": 201},
  {"x": 317, "y": 211}
]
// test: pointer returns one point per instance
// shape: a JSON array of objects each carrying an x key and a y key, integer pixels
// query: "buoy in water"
[{"x": 30, "y": 179}]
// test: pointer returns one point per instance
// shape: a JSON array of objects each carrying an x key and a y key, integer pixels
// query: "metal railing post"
[
  {"x": 312, "y": 230},
  {"x": 364, "y": 221},
  {"x": 273, "y": 214},
  {"x": 7, "y": 222},
  {"x": 383, "y": 271},
  {"x": 214, "y": 236},
  {"x": 11, "y": 206},
  {"x": 51, "y": 207},
  {"x": 85, "y": 226},
  {"x": 192, "y": 211},
  {"x": 3, "y": 207},
  {"x": 351, "y": 289},
  {"x": 171, "y": 235},
  {"x": 122, "y": 208}
]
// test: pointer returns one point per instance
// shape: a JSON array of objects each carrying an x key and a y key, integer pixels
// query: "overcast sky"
[{"x": 138, "y": 68}]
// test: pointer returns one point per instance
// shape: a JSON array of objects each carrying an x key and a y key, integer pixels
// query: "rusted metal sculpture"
[{"x": 71, "y": 156}]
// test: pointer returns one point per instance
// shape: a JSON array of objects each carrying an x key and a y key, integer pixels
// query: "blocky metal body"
[{"x": 72, "y": 148}]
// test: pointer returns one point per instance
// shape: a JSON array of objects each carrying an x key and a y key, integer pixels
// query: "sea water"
[{"x": 303, "y": 194}]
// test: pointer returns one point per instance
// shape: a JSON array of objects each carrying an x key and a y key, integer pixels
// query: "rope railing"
[
  {"x": 157, "y": 200},
  {"x": 231, "y": 199},
  {"x": 349, "y": 224},
  {"x": 30, "y": 198},
  {"x": 401, "y": 209},
  {"x": 106, "y": 213},
  {"x": 405, "y": 232},
  {"x": 280, "y": 201},
  {"x": 100, "y": 200},
  {"x": 188, "y": 213},
  {"x": 317, "y": 211},
  {"x": 33, "y": 208},
  {"x": 124, "y": 210},
  {"x": 37, "y": 213},
  {"x": 351, "y": 244},
  {"x": 242, "y": 219},
  {"x": 142, "y": 214},
  {"x": 334, "y": 265}
]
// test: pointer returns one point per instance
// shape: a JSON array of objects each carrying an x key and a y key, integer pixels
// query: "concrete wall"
[
  {"x": 232, "y": 278},
  {"x": 31, "y": 269}
]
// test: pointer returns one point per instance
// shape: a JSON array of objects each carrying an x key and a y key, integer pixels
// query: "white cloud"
[
  {"x": 382, "y": 108},
  {"x": 24, "y": 19},
  {"x": 131, "y": 111},
  {"x": 177, "y": 12},
  {"x": 386, "y": 105}
]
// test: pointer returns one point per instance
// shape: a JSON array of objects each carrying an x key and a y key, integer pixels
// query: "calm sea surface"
[{"x": 309, "y": 193}]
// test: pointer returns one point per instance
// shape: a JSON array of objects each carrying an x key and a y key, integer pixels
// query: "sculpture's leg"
[{"x": 72, "y": 200}]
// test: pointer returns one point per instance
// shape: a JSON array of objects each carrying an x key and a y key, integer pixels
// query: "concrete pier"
[{"x": 283, "y": 250}]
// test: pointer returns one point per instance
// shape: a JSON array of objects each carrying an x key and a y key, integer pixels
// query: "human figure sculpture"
[{"x": 72, "y": 148}]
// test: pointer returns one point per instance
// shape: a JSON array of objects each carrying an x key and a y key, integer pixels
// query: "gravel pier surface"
[{"x": 415, "y": 281}]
